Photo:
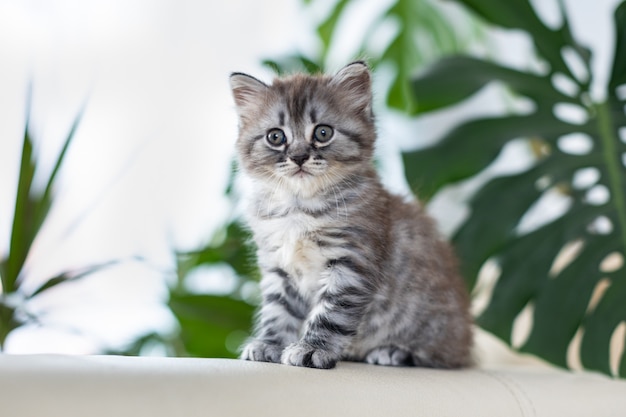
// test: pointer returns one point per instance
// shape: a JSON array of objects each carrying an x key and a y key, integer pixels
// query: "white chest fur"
[{"x": 290, "y": 242}]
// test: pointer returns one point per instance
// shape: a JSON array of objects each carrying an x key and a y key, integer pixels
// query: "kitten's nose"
[{"x": 299, "y": 159}]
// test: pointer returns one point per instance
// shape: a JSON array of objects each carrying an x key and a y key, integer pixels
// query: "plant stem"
[{"x": 612, "y": 160}]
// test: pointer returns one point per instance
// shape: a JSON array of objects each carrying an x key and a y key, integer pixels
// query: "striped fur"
[{"x": 350, "y": 271}]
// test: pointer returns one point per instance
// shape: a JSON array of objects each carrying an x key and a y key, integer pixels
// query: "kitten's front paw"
[
  {"x": 260, "y": 351},
  {"x": 301, "y": 354}
]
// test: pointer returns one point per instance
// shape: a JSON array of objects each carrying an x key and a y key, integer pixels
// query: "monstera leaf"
[{"x": 568, "y": 271}]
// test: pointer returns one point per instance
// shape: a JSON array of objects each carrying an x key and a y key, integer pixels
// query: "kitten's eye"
[
  {"x": 323, "y": 133},
  {"x": 276, "y": 137}
]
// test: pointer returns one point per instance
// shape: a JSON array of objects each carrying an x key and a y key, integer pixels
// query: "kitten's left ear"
[
  {"x": 246, "y": 90},
  {"x": 355, "y": 81}
]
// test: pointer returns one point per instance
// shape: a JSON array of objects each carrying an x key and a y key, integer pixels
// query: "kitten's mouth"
[{"x": 301, "y": 173}]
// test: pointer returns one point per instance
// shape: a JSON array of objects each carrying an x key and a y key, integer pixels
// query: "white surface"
[{"x": 67, "y": 386}]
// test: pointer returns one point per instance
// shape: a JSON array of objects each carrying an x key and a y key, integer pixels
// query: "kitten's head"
[{"x": 306, "y": 132}]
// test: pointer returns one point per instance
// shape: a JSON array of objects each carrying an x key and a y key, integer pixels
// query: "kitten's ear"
[
  {"x": 246, "y": 90},
  {"x": 355, "y": 81}
]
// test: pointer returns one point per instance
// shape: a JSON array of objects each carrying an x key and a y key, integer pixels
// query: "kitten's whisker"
[
  {"x": 345, "y": 206},
  {"x": 278, "y": 186},
  {"x": 334, "y": 190},
  {"x": 353, "y": 185},
  {"x": 329, "y": 183}
]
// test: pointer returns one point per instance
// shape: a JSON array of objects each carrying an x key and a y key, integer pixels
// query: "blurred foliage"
[
  {"x": 569, "y": 271},
  {"x": 32, "y": 206},
  {"x": 214, "y": 325},
  {"x": 419, "y": 31},
  {"x": 211, "y": 325},
  {"x": 208, "y": 325},
  {"x": 294, "y": 64}
]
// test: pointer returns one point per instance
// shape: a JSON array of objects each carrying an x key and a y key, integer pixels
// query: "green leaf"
[
  {"x": 513, "y": 14},
  {"x": 600, "y": 324},
  {"x": 527, "y": 258},
  {"x": 327, "y": 28},
  {"x": 46, "y": 197},
  {"x": 8, "y": 321},
  {"x": 211, "y": 325},
  {"x": 557, "y": 323},
  {"x": 618, "y": 70},
  {"x": 31, "y": 210},
  {"x": 230, "y": 248},
  {"x": 24, "y": 227},
  {"x": 469, "y": 148},
  {"x": 524, "y": 274},
  {"x": 519, "y": 14},
  {"x": 293, "y": 64},
  {"x": 30, "y": 213},
  {"x": 517, "y": 286},
  {"x": 206, "y": 322},
  {"x": 69, "y": 276},
  {"x": 415, "y": 19},
  {"x": 457, "y": 77},
  {"x": 494, "y": 215},
  {"x": 482, "y": 236},
  {"x": 616, "y": 178}
]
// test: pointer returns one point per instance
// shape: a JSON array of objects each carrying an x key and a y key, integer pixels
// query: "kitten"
[{"x": 350, "y": 271}]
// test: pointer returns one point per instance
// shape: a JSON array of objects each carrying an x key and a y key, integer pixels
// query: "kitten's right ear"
[
  {"x": 354, "y": 81},
  {"x": 246, "y": 89}
]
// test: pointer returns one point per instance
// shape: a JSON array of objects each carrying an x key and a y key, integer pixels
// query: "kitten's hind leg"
[{"x": 390, "y": 356}]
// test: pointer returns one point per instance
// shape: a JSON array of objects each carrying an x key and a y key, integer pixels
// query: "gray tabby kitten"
[{"x": 350, "y": 272}]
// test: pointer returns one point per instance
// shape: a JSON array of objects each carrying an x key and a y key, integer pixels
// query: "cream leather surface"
[{"x": 94, "y": 386}]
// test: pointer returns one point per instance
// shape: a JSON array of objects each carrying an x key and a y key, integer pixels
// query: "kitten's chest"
[{"x": 290, "y": 242}]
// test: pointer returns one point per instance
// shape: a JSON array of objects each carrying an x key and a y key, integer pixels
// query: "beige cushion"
[{"x": 93, "y": 386}]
